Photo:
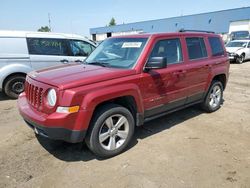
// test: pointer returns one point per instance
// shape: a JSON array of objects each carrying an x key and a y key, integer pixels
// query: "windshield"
[
  {"x": 117, "y": 52},
  {"x": 240, "y": 34},
  {"x": 236, "y": 44}
]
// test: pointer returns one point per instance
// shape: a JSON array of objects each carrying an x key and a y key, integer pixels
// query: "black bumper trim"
[{"x": 66, "y": 135}]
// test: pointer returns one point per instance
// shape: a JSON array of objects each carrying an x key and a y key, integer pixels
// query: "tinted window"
[
  {"x": 42, "y": 46},
  {"x": 170, "y": 48},
  {"x": 216, "y": 46},
  {"x": 80, "y": 48},
  {"x": 196, "y": 48}
]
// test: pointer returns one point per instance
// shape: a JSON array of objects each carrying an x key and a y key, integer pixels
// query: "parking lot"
[{"x": 189, "y": 148}]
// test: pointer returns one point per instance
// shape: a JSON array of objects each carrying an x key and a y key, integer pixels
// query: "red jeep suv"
[{"x": 125, "y": 82}]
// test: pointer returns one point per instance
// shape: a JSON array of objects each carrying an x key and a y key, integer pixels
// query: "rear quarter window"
[
  {"x": 43, "y": 46},
  {"x": 216, "y": 46},
  {"x": 196, "y": 48}
]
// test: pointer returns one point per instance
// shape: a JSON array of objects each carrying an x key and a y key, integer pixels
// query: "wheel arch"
[
  {"x": 124, "y": 101},
  {"x": 123, "y": 95},
  {"x": 222, "y": 78},
  {"x": 243, "y": 53},
  {"x": 11, "y": 70},
  {"x": 12, "y": 75}
]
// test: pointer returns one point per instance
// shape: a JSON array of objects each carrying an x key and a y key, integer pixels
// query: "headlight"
[{"x": 51, "y": 97}]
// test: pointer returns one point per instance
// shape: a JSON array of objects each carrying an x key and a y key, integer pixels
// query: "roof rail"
[{"x": 199, "y": 31}]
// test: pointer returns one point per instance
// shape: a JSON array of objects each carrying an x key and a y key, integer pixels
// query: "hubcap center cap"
[{"x": 113, "y": 131}]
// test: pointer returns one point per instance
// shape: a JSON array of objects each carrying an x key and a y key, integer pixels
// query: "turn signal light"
[{"x": 69, "y": 110}]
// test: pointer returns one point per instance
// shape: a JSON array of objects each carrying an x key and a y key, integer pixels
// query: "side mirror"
[{"x": 156, "y": 63}]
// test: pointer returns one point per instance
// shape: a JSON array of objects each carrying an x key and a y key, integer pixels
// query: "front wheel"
[
  {"x": 240, "y": 59},
  {"x": 214, "y": 97},
  {"x": 14, "y": 85},
  {"x": 111, "y": 131}
]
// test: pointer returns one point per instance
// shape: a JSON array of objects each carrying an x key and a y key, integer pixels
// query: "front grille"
[{"x": 34, "y": 95}]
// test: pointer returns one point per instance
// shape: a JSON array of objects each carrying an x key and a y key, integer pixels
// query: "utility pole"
[{"x": 49, "y": 22}]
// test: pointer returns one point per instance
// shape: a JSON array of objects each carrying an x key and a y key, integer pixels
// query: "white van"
[{"x": 22, "y": 52}]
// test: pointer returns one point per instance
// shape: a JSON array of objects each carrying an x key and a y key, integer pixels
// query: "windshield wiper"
[{"x": 99, "y": 64}]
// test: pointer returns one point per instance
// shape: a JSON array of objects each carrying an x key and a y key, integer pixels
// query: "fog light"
[{"x": 68, "y": 110}]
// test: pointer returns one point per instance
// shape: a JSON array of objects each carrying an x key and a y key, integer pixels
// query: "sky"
[{"x": 78, "y": 16}]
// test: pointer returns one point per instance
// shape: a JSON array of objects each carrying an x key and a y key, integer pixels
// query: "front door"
[{"x": 165, "y": 89}]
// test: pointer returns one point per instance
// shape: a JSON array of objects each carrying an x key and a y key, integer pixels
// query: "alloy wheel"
[
  {"x": 215, "y": 97},
  {"x": 114, "y": 132}
]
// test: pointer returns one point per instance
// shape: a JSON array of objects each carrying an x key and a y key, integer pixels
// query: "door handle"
[
  {"x": 179, "y": 72},
  {"x": 208, "y": 65},
  {"x": 78, "y": 61},
  {"x": 183, "y": 71},
  {"x": 65, "y": 61},
  {"x": 217, "y": 63}
]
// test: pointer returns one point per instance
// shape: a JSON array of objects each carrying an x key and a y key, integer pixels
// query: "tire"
[
  {"x": 240, "y": 59},
  {"x": 214, "y": 97},
  {"x": 104, "y": 123},
  {"x": 14, "y": 85}
]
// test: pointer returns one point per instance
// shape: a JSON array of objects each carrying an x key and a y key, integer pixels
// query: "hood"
[
  {"x": 233, "y": 49},
  {"x": 75, "y": 75}
]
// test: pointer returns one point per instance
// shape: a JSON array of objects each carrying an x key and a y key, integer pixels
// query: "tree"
[
  {"x": 44, "y": 29},
  {"x": 112, "y": 22}
]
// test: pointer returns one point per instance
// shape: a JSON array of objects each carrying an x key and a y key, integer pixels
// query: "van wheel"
[
  {"x": 214, "y": 97},
  {"x": 240, "y": 59},
  {"x": 14, "y": 85},
  {"x": 111, "y": 131}
]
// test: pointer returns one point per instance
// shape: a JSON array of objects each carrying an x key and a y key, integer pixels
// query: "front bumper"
[
  {"x": 233, "y": 57},
  {"x": 57, "y": 133},
  {"x": 55, "y": 126}
]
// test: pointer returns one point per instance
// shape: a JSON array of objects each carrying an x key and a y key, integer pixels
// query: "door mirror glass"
[{"x": 156, "y": 63}]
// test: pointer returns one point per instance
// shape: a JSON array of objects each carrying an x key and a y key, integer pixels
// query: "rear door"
[
  {"x": 198, "y": 67},
  {"x": 47, "y": 52}
]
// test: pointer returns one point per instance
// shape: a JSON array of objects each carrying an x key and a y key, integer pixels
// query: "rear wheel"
[
  {"x": 214, "y": 97},
  {"x": 111, "y": 131},
  {"x": 240, "y": 59},
  {"x": 14, "y": 85}
]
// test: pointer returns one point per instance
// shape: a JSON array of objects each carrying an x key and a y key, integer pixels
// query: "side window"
[
  {"x": 170, "y": 48},
  {"x": 216, "y": 46},
  {"x": 196, "y": 48},
  {"x": 47, "y": 46},
  {"x": 248, "y": 45},
  {"x": 80, "y": 48}
]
